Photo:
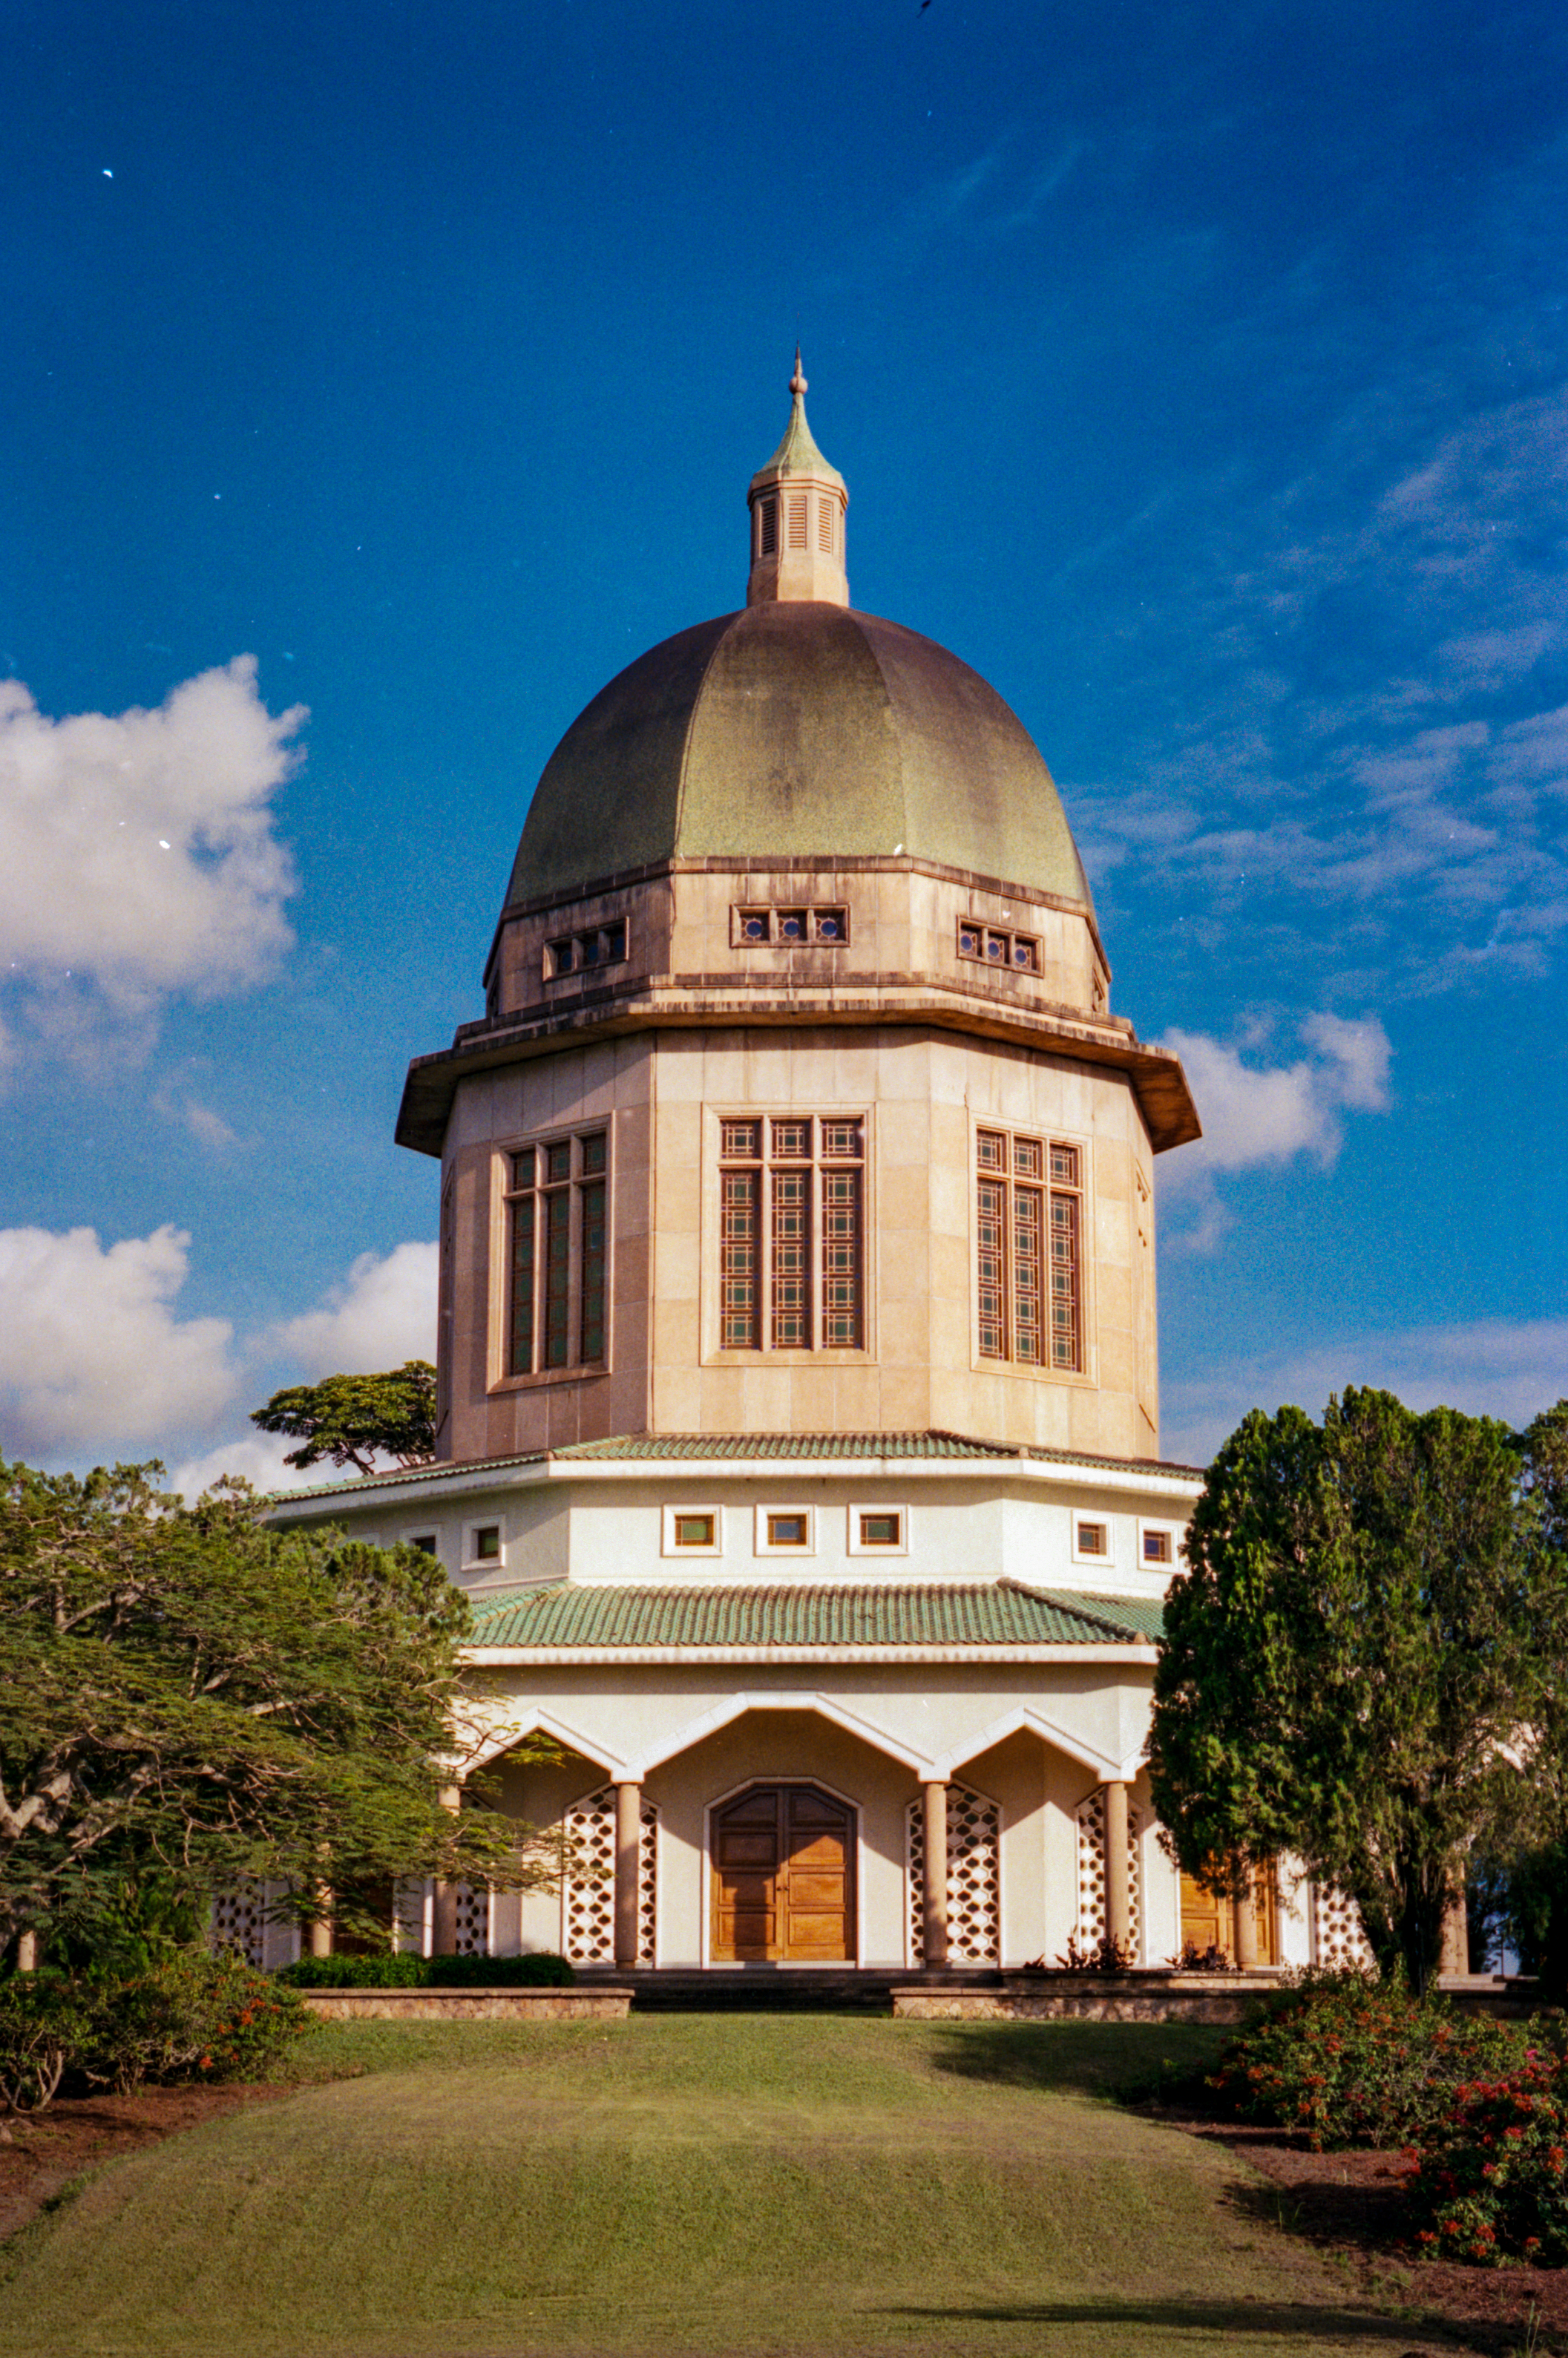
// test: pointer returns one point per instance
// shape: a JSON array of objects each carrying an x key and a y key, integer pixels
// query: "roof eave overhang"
[
  {"x": 1164, "y": 1481},
  {"x": 1158, "y": 1081}
]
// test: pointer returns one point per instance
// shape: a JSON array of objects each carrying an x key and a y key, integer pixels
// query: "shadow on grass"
[
  {"x": 1112, "y": 2060},
  {"x": 1228, "y": 2323}
]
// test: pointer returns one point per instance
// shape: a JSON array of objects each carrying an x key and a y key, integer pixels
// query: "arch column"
[
  {"x": 444, "y": 1900},
  {"x": 1118, "y": 1912},
  {"x": 933, "y": 1829},
  {"x": 1246, "y": 1909},
  {"x": 628, "y": 1872}
]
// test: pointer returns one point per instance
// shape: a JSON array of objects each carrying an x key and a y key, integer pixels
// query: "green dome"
[{"x": 796, "y": 731}]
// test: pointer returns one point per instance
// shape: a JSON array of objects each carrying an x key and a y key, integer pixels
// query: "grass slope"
[{"x": 683, "y": 2187}]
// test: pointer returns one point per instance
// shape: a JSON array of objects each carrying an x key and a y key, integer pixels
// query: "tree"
[
  {"x": 351, "y": 1418},
  {"x": 1349, "y": 1657},
  {"x": 1528, "y": 1853},
  {"x": 193, "y": 1698}
]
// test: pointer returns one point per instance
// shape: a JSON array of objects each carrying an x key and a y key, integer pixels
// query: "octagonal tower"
[{"x": 797, "y": 1106}]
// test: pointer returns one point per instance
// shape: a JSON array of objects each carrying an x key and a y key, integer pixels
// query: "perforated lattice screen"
[
  {"x": 1337, "y": 1938},
  {"x": 1091, "y": 1870},
  {"x": 974, "y": 1878},
  {"x": 588, "y": 1886},
  {"x": 239, "y": 1922}
]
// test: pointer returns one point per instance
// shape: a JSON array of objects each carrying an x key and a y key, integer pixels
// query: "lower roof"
[{"x": 1000, "y": 1613}]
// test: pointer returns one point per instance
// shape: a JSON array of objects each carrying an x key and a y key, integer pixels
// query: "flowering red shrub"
[
  {"x": 1355, "y": 2061},
  {"x": 1489, "y": 2184}
]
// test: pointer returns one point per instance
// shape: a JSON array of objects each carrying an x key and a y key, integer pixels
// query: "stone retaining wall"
[{"x": 467, "y": 2004}]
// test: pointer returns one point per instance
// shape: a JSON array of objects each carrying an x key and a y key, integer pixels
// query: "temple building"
[{"x": 798, "y": 1411}]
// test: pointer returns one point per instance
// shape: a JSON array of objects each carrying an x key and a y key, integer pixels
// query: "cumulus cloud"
[
  {"x": 257, "y": 1459},
  {"x": 382, "y": 1314},
  {"x": 162, "y": 823},
  {"x": 1509, "y": 1369},
  {"x": 92, "y": 1353},
  {"x": 1256, "y": 1115}
]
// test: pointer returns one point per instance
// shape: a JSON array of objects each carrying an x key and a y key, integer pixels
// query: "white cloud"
[
  {"x": 382, "y": 1314},
  {"x": 1489, "y": 1366},
  {"x": 208, "y": 1128},
  {"x": 91, "y": 1352},
  {"x": 162, "y": 823},
  {"x": 1256, "y": 1115},
  {"x": 258, "y": 1457}
]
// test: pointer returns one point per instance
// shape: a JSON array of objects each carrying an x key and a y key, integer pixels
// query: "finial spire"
[{"x": 797, "y": 503}]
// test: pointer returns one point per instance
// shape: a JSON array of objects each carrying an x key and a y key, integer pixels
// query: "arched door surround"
[{"x": 782, "y": 1876}]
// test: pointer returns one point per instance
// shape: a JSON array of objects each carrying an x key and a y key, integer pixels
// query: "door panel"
[{"x": 784, "y": 1876}]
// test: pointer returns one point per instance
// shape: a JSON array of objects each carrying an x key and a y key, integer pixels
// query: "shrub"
[
  {"x": 1194, "y": 1958},
  {"x": 192, "y": 2016},
  {"x": 1490, "y": 2184},
  {"x": 381, "y": 1972},
  {"x": 41, "y": 2027},
  {"x": 1355, "y": 2061},
  {"x": 542, "y": 1969}
]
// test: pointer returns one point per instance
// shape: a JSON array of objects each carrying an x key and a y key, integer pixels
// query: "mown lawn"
[{"x": 683, "y": 2187}]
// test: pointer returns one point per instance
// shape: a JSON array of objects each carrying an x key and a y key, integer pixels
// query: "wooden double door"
[{"x": 783, "y": 1878}]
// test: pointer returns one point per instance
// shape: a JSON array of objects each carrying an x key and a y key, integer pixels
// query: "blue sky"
[{"x": 422, "y": 358}]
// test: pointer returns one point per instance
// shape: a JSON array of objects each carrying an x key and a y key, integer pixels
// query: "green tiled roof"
[
  {"x": 997, "y": 1613},
  {"x": 675, "y": 1445},
  {"x": 1146, "y": 1613}
]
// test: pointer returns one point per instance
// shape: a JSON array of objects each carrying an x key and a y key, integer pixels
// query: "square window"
[
  {"x": 991, "y": 1150},
  {"x": 740, "y": 1144},
  {"x": 1024, "y": 954},
  {"x": 785, "y": 1530},
  {"x": 1093, "y": 1539},
  {"x": 970, "y": 942},
  {"x": 615, "y": 941},
  {"x": 486, "y": 1544},
  {"x": 752, "y": 926},
  {"x": 1159, "y": 1547},
  {"x": 793, "y": 925},
  {"x": 842, "y": 1138},
  {"x": 694, "y": 1530},
  {"x": 832, "y": 926},
  {"x": 997, "y": 948},
  {"x": 792, "y": 1141},
  {"x": 563, "y": 955},
  {"x": 1064, "y": 1166},
  {"x": 881, "y": 1531},
  {"x": 522, "y": 1168},
  {"x": 425, "y": 1541},
  {"x": 1028, "y": 1160},
  {"x": 593, "y": 1152},
  {"x": 558, "y": 1160}
]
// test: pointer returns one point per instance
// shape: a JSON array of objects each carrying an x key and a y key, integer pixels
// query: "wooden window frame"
[
  {"x": 1030, "y": 1210},
  {"x": 1097, "y": 1558},
  {"x": 981, "y": 930},
  {"x": 566, "y": 957},
  {"x": 764, "y": 1518},
  {"x": 859, "y": 1546},
  {"x": 790, "y": 1271},
  {"x": 560, "y": 1223},
  {"x": 671, "y": 1545},
  {"x": 747, "y": 915}
]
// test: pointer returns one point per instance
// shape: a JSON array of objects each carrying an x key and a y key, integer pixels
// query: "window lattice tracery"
[
  {"x": 1337, "y": 1937},
  {"x": 974, "y": 1878},
  {"x": 791, "y": 1233},
  {"x": 1029, "y": 1259},
  {"x": 587, "y": 1885}
]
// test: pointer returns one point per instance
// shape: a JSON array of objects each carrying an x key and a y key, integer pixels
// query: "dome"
[{"x": 792, "y": 729}]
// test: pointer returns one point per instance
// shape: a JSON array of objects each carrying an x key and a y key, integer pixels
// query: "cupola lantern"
[{"x": 797, "y": 503}]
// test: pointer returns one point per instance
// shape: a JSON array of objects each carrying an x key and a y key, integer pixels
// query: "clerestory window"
[
  {"x": 557, "y": 1213},
  {"x": 1028, "y": 1222},
  {"x": 791, "y": 1233}
]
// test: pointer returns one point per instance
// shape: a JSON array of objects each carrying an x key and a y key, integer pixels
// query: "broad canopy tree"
[
  {"x": 352, "y": 1420},
  {"x": 192, "y": 1696},
  {"x": 1353, "y": 1664}
]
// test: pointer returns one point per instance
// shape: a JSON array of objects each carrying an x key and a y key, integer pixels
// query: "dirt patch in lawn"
[
  {"x": 1352, "y": 2203},
  {"x": 42, "y": 2154}
]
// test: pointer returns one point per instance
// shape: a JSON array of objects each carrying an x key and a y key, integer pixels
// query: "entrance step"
[{"x": 768, "y": 1989}]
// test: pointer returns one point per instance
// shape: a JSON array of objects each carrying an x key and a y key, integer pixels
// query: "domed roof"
[{"x": 796, "y": 731}]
